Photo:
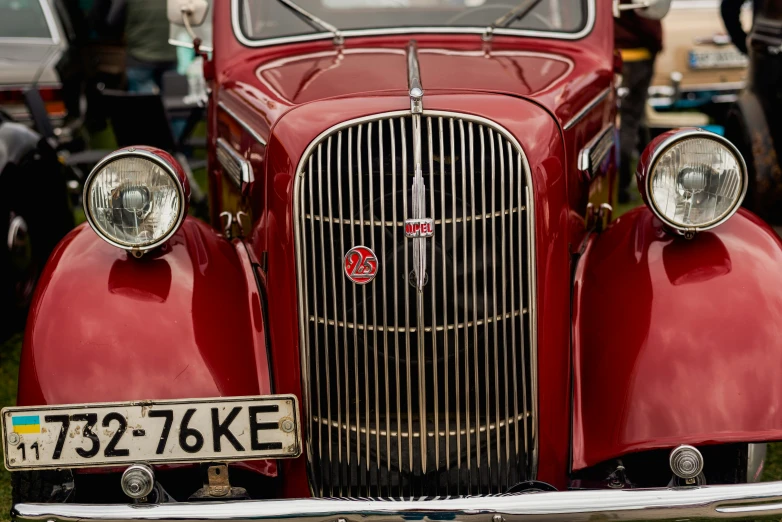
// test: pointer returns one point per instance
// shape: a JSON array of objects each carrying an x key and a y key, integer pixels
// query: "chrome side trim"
[
  {"x": 479, "y": 31},
  {"x": 594, "y": 152},
  {"x": 761, "y": 501},
  {"x": 237, "y": 168},
  {"x": 246, "y": 126},
  {"x": 597, "y": 100}
]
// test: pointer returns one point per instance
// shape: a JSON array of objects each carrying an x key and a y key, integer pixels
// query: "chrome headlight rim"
[
  {"x": 161, "y": 162},
  {"x": 671, "y": 141}
]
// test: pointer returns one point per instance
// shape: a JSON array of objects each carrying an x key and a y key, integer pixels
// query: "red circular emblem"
[{"x": 361, "y": 265}]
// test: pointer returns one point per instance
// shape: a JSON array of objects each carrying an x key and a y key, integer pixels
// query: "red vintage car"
[{"x": 411, "y": 289}]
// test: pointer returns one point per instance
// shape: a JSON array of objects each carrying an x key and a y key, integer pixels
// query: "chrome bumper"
[{"x": 745, "y": 501}]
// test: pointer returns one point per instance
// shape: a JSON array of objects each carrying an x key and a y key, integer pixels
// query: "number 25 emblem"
[{"x": 361, "y": 265}]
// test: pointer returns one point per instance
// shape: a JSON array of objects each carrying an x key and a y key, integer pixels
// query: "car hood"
[{"x": 338, "y": 72}]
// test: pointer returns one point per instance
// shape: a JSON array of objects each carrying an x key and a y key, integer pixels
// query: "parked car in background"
[
  {"x": 699, "y": 66},
  {"x": 32, "y": 41},
  {"x": 411, "y": 300}
]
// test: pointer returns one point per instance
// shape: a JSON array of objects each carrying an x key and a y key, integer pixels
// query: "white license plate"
[
  {"x": 722, "y": 59},
  {"x": 197, "y": 430}
]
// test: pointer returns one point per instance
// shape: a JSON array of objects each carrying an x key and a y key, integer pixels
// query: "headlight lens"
[
  {"x": 134, "y": 200},
  {"x": 697, "y": 182}
]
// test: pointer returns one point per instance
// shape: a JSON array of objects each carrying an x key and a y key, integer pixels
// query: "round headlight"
[
  {"x": 136, "y": 198},
  {"x": 693, "y": 180}
]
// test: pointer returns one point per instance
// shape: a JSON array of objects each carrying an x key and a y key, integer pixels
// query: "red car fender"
[
  {"x": 184, "y": 321},
  {"x": 676, "y": 341}
]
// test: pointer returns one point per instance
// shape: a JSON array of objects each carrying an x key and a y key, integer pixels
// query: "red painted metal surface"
[
  {"x": 289, "y": 94},
  {"x": 676, "y": 341},
  {"x": 134, "y": 333},
  {"x": 180, "y": 322}
]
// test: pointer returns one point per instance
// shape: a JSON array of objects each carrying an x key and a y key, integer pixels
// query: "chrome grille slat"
[
  {"x": 445, "y": 308},
  {"x": 344, "y": 466},
  {"x": 379, "y": 423},
  {"x": 433, "y": 282},
  {"x": 335, "y": 330},
  {"x": 367, "y": 477}
]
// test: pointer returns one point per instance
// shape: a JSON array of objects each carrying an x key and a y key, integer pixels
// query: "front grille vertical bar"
[
  {"x": 532, "y": 456},
  {"x": 345, "y": 467},
  {"x": 457, "y": 368},
  {"x": 396, "y": 311},
  {"x": 367, "y": 424},
  {"x": 407, "y": 307},
  {"x": 511, "y": 270},
  {"x": 507, "y": 346},
  {"x": 337, "y": 387},
  {"x": 525, "y": 410},
  {"x": 374, "y": 305},
  {"x": 475, "y": 311},
  {"x": 419, "y": 251},
  {"x": 433, "y": 279},
  {"x": 487, "y": 413},
  {"x": 466, "y": 293},
  {"x": 385, "y": 300},
  {"x": 446, "y": 368},
  {"x": 315, "y": 323},
  {"x": 325, "y": 315},
  {"x": 304, "y": 294},
  {"x": 355, "y": 317},
  {"x": 496, "y": 324}
]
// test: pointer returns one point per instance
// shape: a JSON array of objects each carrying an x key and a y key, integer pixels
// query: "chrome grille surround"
[{"x": 357, "y": 447}]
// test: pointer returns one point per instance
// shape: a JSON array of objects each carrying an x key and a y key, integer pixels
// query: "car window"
[
  {"x": 261, "y": 19},
  {"x": 23, "y": 19}
]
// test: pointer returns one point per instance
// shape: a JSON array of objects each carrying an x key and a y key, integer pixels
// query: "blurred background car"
[
  {"x": 32, "y": 42},
  {"x": 699, "y": 67}
]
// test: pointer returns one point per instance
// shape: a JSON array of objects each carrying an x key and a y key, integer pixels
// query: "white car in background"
[{"x": 32, "y": 41}]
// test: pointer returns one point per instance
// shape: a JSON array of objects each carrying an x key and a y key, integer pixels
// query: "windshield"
[
  {"x": 267, "y": 19},
  {"x": 23, "y": 19}
]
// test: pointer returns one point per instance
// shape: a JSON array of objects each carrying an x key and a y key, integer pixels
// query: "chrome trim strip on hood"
[
  {"x": 243, "y": 124},
  {"x": 732, "y": 502},
  {"x": 588, "y": 107}
]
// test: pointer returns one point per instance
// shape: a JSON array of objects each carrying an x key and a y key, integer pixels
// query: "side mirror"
[{"x": 189, "y": 13}]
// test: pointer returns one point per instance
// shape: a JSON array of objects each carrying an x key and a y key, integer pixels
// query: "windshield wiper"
[
  {"x": 517, "y": 13},
  {"x": 314, "y": 22}
]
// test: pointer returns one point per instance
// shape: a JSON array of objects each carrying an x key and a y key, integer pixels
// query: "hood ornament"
[{"x": 418, "y": 227}]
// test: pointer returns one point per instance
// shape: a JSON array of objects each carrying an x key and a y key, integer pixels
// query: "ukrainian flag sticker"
[{"x": 26, "y": 423}]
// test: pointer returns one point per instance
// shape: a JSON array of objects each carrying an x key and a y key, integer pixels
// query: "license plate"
[
  {"x": 722, "y": 59},
  {"x": 197, "y": 430}
]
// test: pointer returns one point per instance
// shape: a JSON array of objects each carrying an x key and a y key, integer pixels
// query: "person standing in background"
[
  {"x": 149, "y": 54},
  {"x": 638, "y": 38},
  {"x": 731, "y": 17}
]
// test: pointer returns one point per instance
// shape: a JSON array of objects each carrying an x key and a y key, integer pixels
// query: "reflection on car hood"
[
  {"x": 21, "y": 63},
  {"x": 304, "y": 78}
]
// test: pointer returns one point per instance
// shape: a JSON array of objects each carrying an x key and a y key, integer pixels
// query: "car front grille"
[{"x": 385, "y": 418}]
